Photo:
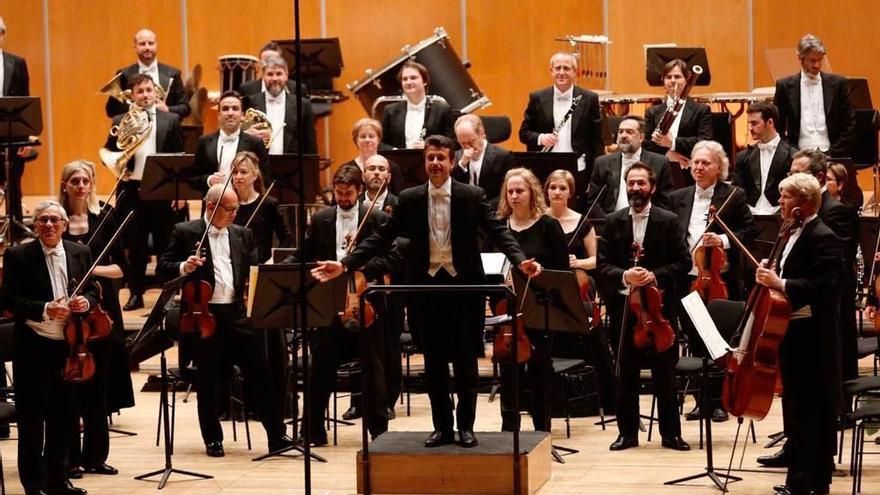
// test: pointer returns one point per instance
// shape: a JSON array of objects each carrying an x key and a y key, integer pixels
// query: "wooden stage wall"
[{"x": 508, "y": 44}]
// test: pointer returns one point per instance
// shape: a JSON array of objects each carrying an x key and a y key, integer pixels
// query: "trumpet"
[
  {"x": 260, "y": 121},
  {"x": 131, "y": 132}
]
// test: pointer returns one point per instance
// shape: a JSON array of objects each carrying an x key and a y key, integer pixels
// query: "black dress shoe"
[
  {"x": 439, "y": 438},
  {"x": 102, "y": 469},
  {"x": 719, "y": 415},
  {"x": 280, "y": 443},
  {"x": 351, "y": 414},
  {"x": 467, "y": 439},
  {"x": 214, "y": 449},
  {"x": 35, "y": 492},
  {"x": 694, "y": 414},
  {"x": 778, "y": 459},
  {"x": 675, "y": 443},
  {"x": 623, "y": 443},
  {"x": 390, "y": 414},
  {"x": 135, "y": 301},
  {"x": 75, "y": 473},
  {"x": 316, "y": 439},
  {"x": 65, "y": 489}
]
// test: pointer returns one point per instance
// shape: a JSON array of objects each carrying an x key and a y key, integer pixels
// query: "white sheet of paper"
[{"x": 696, "y": 310}]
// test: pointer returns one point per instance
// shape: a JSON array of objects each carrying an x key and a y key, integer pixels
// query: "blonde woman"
[{"x": 268, "y": 224}]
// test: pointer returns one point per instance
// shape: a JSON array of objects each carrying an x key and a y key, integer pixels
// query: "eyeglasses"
[
  {"x": 229, "y": 209},
  {"x": 52, "y": 220}
]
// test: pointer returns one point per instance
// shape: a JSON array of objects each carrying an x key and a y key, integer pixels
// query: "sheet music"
[
  {"x": 252, "y": 288},
  {"x": 699, "y": 316},
  {"x": 495, "y": 264}
]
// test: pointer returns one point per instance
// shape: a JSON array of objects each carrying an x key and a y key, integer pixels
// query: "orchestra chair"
[
  {"x": 867, "y": 346},
  {"x": 345, "y": 372},
  {"x": 497, "y": 127},
  {"x": 570, "y": 371},
  {"x": 7, "y": 417},
  {"x": 408, "y": 348},
  {"x": 865, "y": 417},
  {"x": 859, "y": 389}
]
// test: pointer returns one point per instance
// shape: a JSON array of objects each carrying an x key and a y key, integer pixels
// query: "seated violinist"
[
  {"x": 229, "y": 251},
  {"x": 656, "y": 233}
]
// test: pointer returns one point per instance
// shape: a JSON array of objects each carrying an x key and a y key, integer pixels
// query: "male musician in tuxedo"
[
  {"x": 377, "y": 172},
  {"x": 151, "y": 217},
  {"x": 815, "y": 111},
  {"x": 36, "y": 279},
  {"x": 479, "y": 162},
  {"x": 693, "y": 123},
  {"x": 761, "y": 167},
  {"x": 664, "y": 262},
  {"x": 809, "y": 358},
  {"x": 581, "y": 132},
  {"x": 406, "y": 123},
  {"x": 215, "y": 151},
  {"x": 281, "y": 108},
  {"x": 229, "y": 252},
  {"x": 328, "y": 237},
  {"x": 442, "y": 219},
  {"x": 146, "y": 47},
  {"x": 610, "y": 170},
  {"x": 709, "y": 169},
  {"x": 252, "y": 88}
]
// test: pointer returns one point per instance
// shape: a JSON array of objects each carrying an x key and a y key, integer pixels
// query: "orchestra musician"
[
  {"x": 229, "y": 252},
  {"x": 216, "y": 151},
  {"x": 693, "y": 123},
  {"x": 664, "y": 262},
  {"x": 36, "y": 277},
  {"x": 281, "y": 108},
  {"x": 151, "y": 217},
  {"x": 367, "y": 136},
  {"x": 442, "y": 219},
  {"x": 581, "y": 133},
  {"x": 268, "y": 224},
  {"x": 835, "y": 178},
  {"x": 809, "y": 355},
  {"x": 479, "y": 162},
  {"x": 146, "y": 47},
  {"x": 761, "y": 167},
  {"x": 327, "y": 237},
  {"x": 406, "y": 123},
  {"x": 254, "y": 87},
  {"x": 610, "y": 170},
  {"x": 815, "y": 111},
  {"x": 377, "y": 172},
  {"x": 541, "y": 238}
]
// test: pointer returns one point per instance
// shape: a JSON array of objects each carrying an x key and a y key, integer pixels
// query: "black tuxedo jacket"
[
  {"x": 438, "y": 120},
  {"x": 291, "y": 132},
  {"x": 840, "y": 117},
  {"x": 26, "y": 284},
  {"x": 843, "y": 220},
  {"x": 16, "y": 81},
  {"x": 176, "y": 97},
  {"x": 206, "y": 163},
  {"x": 606, "y": 172},
  {"x": 169, "y": 137},
  {"x": 496, "y": 162},
  {"x": 747, "y": 171},
  {"x": 469, "y": 211},
  {"x": 695, "y": 126},
  {"x": 242, "y": 252},
  {"x": 586, "y": 123}
]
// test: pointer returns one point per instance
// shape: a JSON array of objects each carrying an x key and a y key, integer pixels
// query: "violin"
[
  {"x": 652, "y": 331},
  {"x": 502, "y": 346},
  {"x": 709, "y": 284},
  {"x": 583, "y": 279},
  {"x": 98, "y": 318}
]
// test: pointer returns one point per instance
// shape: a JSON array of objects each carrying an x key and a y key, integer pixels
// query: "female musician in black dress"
[
  {"x": 111, "y": 388},
  {"x": 367, "y": 136},
  {"x": 268, "y": 223},
  {"x": 541, "y": 237}
]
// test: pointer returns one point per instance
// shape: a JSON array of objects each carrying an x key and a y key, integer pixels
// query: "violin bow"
[
  {"x": 353, "y": 238},
  {"x": 260, "y": 204},
  {"x": 586, "y": 216},
  {"x": 713, "y": 217},
  {"x": 214, "y": 212},
  {"x": 104, "y": 251}
]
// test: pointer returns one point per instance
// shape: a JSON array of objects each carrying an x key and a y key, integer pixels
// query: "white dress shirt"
[
  {"x": 275, "y": 110},
  {"x": 152, "y": 70},
  {"x": 379, "y": 201},
  {"x": 699, "y": 217},
  {"x": 474, "y": 166},
  {"x": 2, "y": 74},
  {"x": 673, "y": 129},
  {"x": 227, "y": 146},
  {"x": 639, "y": 226},
  {"x": 224, "y": 280},
  {"x": 763, "y": 206},
  {"x": 440, "y": 223},
  {"x": 814, "y": 132},
  {"x": 415, "y": 122},
  {"x": 561, "y": 105},
  {"x": 626, "y": 161},
  {"x": 56, "y": 263},
  {"x": 346, "y": 227},
  {"x": 146, "y": 149}
]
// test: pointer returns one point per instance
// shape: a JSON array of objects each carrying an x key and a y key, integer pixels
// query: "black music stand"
[
  {"x": 275, "y": 305},
  {"x": 320, "y": 56},
  {"x": 169, "y": 177},
  {"x": 656, "y": 58},
  {"x": 153, "y": 325},
  {"x": 552, "y": 302},
  {"x": 285, "y": 170},
  {"x": 411, "y": 163},
  {"x": 20, "y": 117}
]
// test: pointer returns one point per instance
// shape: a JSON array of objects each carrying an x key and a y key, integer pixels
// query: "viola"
[
  {"x": 652, "y": 331},
  {"x": 195, "y": 314},
  {"x": 583, "y": 281},
  {"x": 80, "y": 364},
  {"x": 99, "y": 320},
  {"x": 502, "y": 346},
  {"x": 709, "y": 284}
]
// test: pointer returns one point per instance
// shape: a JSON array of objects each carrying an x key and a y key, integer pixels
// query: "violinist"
[
  {"x": 327, "y": 237},
  {"x": 111, "y": 388},
  {"x": 809, "y": 356},
  {"x": 266, "y": 221},
  {"x": 229, "y": 251},
  {"x": 377, "y": 171},
  {"x": 664, "y": 262},
  {"x": 36, "y": 277}
]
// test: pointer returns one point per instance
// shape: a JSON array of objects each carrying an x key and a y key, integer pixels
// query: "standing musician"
[
  {"x": 610, "y": 170},
  {"x": 327, "y": 237},
  {"x": 442, "y": 219},
  {"x": 665, "y": 261},
  {"x": 815, "y": 111},
  {"x": 581, "y": 133},
  {"x": 760, "y": 168},
  {"x": 151, "y": 217},
  {"x": 479, "y": 162},
  {"x": 281, "y": 108},
  {"x": 406, "y": 123},
  {"x": 112, "y": 377},
  {"x": 266, "y": 221},
  {"x": 541, "y": 238},
  {"x": 145, "y": 46},
  {"x": 693, "y": 123},
  {"x": 230, "y": 250},
  {"x": 709, "y": 168},
  {"x": 36, "y": 278},
  {"x": 809, "y": 356},
  {"x": 216, "y": 151},
  {"x": 252, "y": 88},
  {"x": 367, "y": 136}
]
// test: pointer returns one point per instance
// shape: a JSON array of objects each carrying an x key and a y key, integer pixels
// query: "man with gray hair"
[
  {"x": 479, "y": 162},
  {"x": 280, "y": 106},
  {"x": 815, "y": 111}
]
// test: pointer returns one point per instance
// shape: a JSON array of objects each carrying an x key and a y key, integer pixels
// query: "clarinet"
[
  {"x": 574, "y": 103},
  {"x": 424, "y": 132}
]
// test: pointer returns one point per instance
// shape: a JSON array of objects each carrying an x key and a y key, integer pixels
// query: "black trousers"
[
  {"x": 393, "y": 330},
  {"x": 535, "y": 376},
  {"x": 234, "y": 341},
  {"x": 43, "y": 406},
  {"x": 90, "y": 403},
  {"x": 151, "y": 217}
]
